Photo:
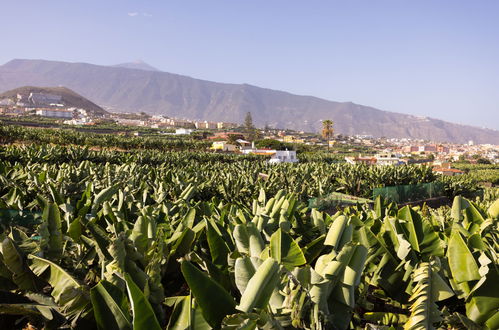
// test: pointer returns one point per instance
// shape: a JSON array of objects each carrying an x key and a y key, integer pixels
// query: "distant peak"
[{"x": 137, "y": 64}]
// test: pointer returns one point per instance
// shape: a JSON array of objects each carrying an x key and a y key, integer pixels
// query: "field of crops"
[
  {"x": 481, "y": 172},
  {"x": 187, "y": 240}
]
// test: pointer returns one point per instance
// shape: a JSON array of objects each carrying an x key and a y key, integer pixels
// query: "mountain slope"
[
  {"x": 139, "y": 65},
  {"x": 124, "y": 89},
  {"x": 68, "y": 97}
]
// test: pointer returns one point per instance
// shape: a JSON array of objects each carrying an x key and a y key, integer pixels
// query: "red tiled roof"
[{"x": 443, "y": 169}]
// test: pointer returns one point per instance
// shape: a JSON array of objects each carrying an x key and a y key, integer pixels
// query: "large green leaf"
[
  {"x": 461, "y": 262},
  {"x": 244, "y": 270},
  {"x": 104, "y": 195},
  {"x": 260, "y": 287},
  {"x": 143, "y": 314},
  {"x": 493, "y": 210},
  {"x": 248, "y": 239},
  {"x": 483, "y": 305},
  {"x": 207, "y": 291},
  {"x": 218, "y": 248},
  {"x": 424, "y": 311},
  {"x": 52, "y": 221},
  {"x": 285, "y": 250},
  {"x": 186, "y": 314},
  {"x": 459, "y": 204},
  {"x": 71, "y": 297},
  {"x": 180, "y": 318},
  {"x": 336, "y": 231},
  {"x": 412, "y": 226},
  {"x": 110, "y": 307},
  {"x": 15, "y": 261}
]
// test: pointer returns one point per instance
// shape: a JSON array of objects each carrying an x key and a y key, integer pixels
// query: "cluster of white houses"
[
  {"x": 439, "y": 167},
  {"x": 248, "y": 148},
  {"x": 165, "y": 122}
]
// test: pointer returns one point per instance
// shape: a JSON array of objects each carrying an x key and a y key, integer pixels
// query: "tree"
[
  {"x": 253, "y": 133},
  {"x": 327, "y": 129},
  {"x": 483, "y": 161},
  {"x": 270, "y": 143},
  {"x": 232, "y": 138},
  {"x": 248, "y": 122}
]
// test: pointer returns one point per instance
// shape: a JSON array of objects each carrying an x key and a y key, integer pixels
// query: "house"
[
  {"x": 179, "y": 123},
  {"x": 224, "y": 125},
  {"x": 131, "y": 122},
  {"x": 243, "y": 143},
  {"x": 387, "y": 159},
  {"x": 183, "y": 131},
  {"x": 55, "y": 113},
  {"x": 223, "y": 146},
  {"x": 444, "y": 168},
  {"x": 205, "y": 125},
  {"x": 447, "y": 171},
  {"x": 276, "y": 156},
  {"x": 284, "y": 156},
  {"x": 361, "y": 160}
]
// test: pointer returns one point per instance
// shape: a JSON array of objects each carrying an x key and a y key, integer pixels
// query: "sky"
[{"x": 435, "y": 58}]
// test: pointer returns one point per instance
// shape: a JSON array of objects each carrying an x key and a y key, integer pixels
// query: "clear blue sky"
[{"x": 438, "y": 58}]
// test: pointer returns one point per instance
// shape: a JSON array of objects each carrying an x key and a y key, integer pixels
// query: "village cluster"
[{"x": 232, "y": 137}]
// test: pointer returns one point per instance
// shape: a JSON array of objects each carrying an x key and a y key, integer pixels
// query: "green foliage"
[{"x": 194, "y": 240}]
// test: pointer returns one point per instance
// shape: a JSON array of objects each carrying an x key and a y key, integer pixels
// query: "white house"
[
  {"x": 284, "y": 156},
  {"x": 223, "y": 146},
  {"x": 276, "y": 156},
  {"x": 182, "y": 131},
  {"x": 55, "y": 113},
  {"x": 387, "y": 159}
]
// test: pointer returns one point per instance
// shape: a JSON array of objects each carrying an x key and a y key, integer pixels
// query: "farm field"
[{"x": 186, "y": 239}]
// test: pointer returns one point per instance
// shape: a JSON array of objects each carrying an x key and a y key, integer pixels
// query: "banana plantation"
[{"x": 190, "y": 240}]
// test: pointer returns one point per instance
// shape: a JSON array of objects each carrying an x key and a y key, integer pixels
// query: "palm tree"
[{"x": 327, "y": 129}]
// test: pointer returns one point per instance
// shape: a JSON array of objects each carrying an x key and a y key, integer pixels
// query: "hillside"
[
  {"x": 124, "y": 89},
  {"x": 138, "y": 65},
  {"x": 68, "y": 97}
]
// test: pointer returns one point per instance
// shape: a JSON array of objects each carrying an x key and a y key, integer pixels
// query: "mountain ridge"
[
  {"x": 138, "y": 65},
  {"x": 157, "y": 92}
]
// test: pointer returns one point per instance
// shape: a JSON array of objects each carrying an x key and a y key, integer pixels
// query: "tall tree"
[
  {"x": 327, "y": 129},
  {"x": 253, "y": 133},
  {"x": 248, "y": 122}
]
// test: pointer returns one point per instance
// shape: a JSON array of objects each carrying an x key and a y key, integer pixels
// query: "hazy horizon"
[{"x": 426, "y": 59}]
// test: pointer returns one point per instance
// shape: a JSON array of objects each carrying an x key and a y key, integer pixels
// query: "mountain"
[
  {"x": 139, "y": 65},
  {"x": 67, "y": 97},
  {"x": 124, "y": 89}
]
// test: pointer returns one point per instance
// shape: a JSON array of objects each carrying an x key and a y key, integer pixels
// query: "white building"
[
  {"x": 55, "y": 113},
  {"x": 131, "y": 122},
  {"x": 205, "y": 125},
  {"x": 223, "y": 146},
  {"x": 387, "y": 159},
  {"x": 276, "y": 156},
  {"x": 284, "y": 156},
  {"x": 183, "y": 131}
]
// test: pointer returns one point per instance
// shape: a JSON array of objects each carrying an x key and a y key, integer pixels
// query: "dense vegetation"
[
  {"x": 16, "y": 134},
  {"x": 120, "y": 258},
  {"x": 231, "y": 178},
  {"x": 151, "y": 239},
  {"x": 481, "y": 172}
]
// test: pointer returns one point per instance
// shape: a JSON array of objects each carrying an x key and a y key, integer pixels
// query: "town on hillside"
[{"x": 280, "y": 145}]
